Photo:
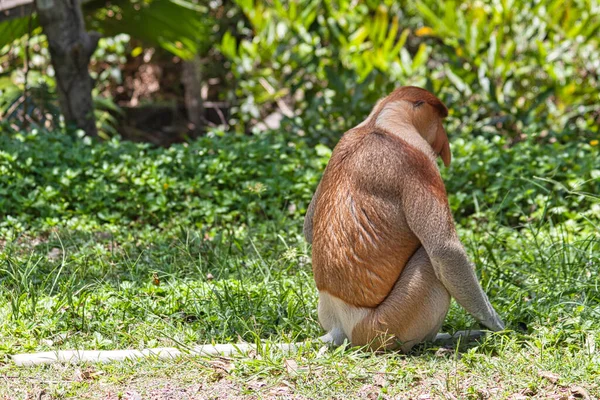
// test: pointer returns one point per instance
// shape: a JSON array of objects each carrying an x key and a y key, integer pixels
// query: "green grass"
[{"x": 178, "y": 276}]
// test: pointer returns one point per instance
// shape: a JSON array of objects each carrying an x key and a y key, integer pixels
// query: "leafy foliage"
[
  {"x": 227, "y": 180},
  {"x": 178, "y": 26},
  {"x": 15, "y": 29},
  {"x": 502, "y": 66},
  {"x": 215, "y": 182}
]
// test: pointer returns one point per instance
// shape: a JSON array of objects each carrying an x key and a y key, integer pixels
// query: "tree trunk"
[{"x": 70, "y": 49}]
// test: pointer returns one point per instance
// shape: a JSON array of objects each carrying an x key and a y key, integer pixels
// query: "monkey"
[{"x": 386, "y": 257}]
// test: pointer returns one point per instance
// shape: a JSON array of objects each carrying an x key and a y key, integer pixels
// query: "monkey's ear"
[{"x": 442, "y": 147}]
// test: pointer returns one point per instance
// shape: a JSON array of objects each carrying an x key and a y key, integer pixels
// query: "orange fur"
[{"x": 361, "y": 239}]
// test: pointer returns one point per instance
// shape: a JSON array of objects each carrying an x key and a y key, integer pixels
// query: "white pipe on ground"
[{"x": 103, "y": 356}]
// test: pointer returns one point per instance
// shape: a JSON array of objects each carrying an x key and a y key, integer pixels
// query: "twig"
[
  {"x": 33, "y": 378},
  {"x": 280, "y": 103},
  {"x": 221, "y": 116}
]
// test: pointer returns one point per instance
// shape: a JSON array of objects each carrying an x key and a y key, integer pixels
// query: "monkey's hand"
[{"x": 495, "y": 323}]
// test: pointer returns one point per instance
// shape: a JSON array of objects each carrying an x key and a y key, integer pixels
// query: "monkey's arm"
[
  {"x": 308, "y": 218},
  {"x": 428, "y": 216}
]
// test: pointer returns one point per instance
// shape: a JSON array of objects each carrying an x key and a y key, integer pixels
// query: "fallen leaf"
[
  {"x": 322, "y": 351},
  {"x": 369, "y": 392},
  {"x": 590, "y": 343},
  {"x": 87, "y": 374},
  {"x": 442, "y": 351},
  {"x": 580, "y": 392},
  {"x": 255, "y": 385},
  {"x": 291, "y": 366},
  {"x": 54, "y": 254},
  {"x": 379, "y": 380},
  {"x": 551, "y": 376},
  {"x": 280, "y": 391},
  {"x": 132, "y": 395},
  {"x": 252, "y": 354},
  {"x": 221, "y": 365}
]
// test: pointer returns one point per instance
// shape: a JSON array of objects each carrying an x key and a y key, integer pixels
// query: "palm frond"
[
  {"x": 15, "y": 29},
  {"x": 179, "y": 26},
  {"x": 175, "y": 25}
]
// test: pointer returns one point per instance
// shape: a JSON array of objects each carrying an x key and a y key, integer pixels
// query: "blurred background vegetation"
[{"x": 315, "y": 68}]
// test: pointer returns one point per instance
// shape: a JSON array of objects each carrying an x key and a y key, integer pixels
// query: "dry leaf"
[
  {"x": 580, "y": 392},
  {"x": 590, "y": 343},
  {"x": 551, "y": 376},
  {"x": 85, "y": 375},
  {"x": 132, "y": 395},
  {"x": 54, "y": 254},
  {"x": 442, "y": 351},
  {"x": 369, "y": 392},
  {"x": 280, "y": 391},
  {"x": 255, "y": 385},
  {"x": 322, "y": 351},
  {"x": 221, "y": 365},
  {"x": 379, "y": 380},
  {"x": 252, "y": 354},
  {"x": 291, "y": 366},
  {"x": 558, "y": 397}
]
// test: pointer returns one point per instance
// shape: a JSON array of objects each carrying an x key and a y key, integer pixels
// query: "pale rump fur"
[
  {"x": 339, "y": 318},
  {"x": 386, "y": 256}
]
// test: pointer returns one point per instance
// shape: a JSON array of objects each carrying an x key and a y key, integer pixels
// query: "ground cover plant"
[{"x": 120, "y": 245}]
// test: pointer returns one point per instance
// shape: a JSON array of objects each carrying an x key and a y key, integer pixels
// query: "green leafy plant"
[{"x": 502, "y": 66}]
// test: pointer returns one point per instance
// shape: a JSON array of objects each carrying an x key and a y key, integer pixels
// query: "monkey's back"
[{"x": 361, "y": 241}]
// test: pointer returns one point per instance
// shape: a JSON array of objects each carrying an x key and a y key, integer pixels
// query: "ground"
[{"x": 477, "y": 371}]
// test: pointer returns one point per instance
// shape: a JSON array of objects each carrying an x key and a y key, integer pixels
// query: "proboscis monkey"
[{"x": 385, "y": 253}]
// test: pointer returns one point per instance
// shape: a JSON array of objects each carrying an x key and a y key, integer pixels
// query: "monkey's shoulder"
[{"x": 382, "y": 158}]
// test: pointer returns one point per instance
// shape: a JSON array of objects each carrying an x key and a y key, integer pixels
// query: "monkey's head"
[{"x": 426, "y": 113}]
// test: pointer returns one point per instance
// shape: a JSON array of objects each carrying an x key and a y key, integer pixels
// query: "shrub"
[{"x": 231, "y": 183}]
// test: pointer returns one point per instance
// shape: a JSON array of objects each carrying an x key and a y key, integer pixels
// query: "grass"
[
  {"x": 500, "y": 367},
  {"x": 98, "y": 284},
  {"x": 65, "y": 290}
]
